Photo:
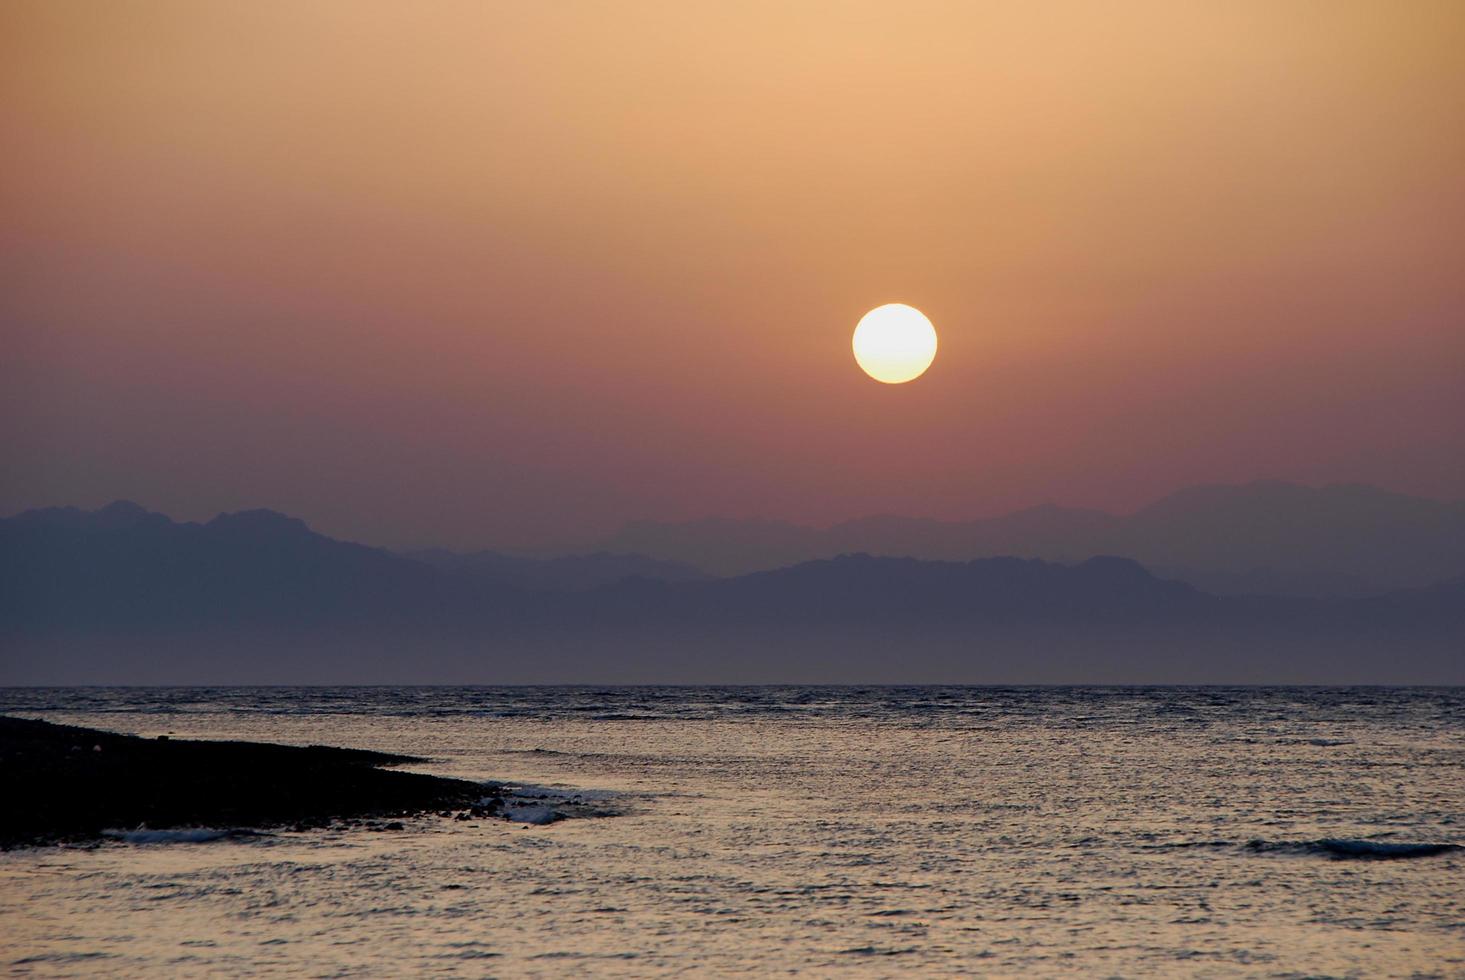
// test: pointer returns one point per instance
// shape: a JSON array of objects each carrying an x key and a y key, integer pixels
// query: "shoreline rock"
[{"x": 66, "y": 784}]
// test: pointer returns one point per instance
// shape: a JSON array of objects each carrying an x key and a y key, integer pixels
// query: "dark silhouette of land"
[
  {"x": 70, "y": 784},
  {"x": 121, "y": 595},
  {"x": 1264, "y": 538},
  {"x": 562, "y": 573}
]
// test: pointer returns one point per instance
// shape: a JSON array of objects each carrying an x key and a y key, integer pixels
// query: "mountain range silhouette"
[
  {"x": 1343, "y": 539},
  {"x": 124, "y": 594}
]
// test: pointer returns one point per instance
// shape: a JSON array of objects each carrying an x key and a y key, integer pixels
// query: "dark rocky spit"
[{"x": 65, "y": 784}]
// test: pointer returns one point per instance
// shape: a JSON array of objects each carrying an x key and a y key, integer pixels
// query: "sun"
[{"x": 894, "y": 343}]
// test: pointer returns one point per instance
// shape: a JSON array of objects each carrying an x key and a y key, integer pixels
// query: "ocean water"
[{"x": 826, "y": 831}]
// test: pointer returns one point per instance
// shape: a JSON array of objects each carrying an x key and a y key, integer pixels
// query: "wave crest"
[{"x": 1343, "y": 848}]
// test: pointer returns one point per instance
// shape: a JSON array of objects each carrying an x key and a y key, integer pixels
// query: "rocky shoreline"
[{"x": 69, "y": 784}]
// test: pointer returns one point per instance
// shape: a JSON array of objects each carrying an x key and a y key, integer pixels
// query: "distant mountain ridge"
[
  {"x": 1343, "y": 539},
  {"x": 125, "y": 566},
  {"x": 121, "y": 595},
  {"x": 565, "y": 573}
]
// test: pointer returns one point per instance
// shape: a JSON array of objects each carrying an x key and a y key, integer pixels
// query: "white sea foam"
[
  {"x": 1344, "y": 847},
  {"x": 187, "y": 835},
  {"x": 538, "y": 815},
  {"x": 528, "y": 803}
]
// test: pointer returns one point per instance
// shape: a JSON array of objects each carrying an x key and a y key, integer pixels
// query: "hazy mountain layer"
[
  {"x": 1261, "y": 537},
  {"x": 567, "y": 573},
  {"x": 125, "y": 595}
]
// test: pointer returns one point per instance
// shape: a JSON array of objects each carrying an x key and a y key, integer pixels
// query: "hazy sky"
[{"x": 474, "y": 273}]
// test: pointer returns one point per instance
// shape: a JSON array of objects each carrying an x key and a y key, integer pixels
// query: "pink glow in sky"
[{"x": 475, "y": 274}]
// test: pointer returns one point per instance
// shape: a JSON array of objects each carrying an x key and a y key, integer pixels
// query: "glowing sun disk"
[{"x": 894, "y": 343}]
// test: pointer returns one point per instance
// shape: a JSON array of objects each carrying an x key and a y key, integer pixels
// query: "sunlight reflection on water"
[{"x": 850, "y": 830}]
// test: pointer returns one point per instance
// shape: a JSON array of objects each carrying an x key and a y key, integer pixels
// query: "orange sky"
[{"x": 478, "y": 274}]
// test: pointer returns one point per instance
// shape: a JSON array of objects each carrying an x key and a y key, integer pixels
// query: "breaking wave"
[
  {"x": 189, "y": 835},
  {"x": 1343, "y": 848}
]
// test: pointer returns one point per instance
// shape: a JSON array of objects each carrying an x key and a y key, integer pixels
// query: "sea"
[{"x": 823, "y": 831}]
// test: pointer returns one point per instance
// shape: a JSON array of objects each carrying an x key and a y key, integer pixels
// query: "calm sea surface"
[{"x": 1087, "y": 831}]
